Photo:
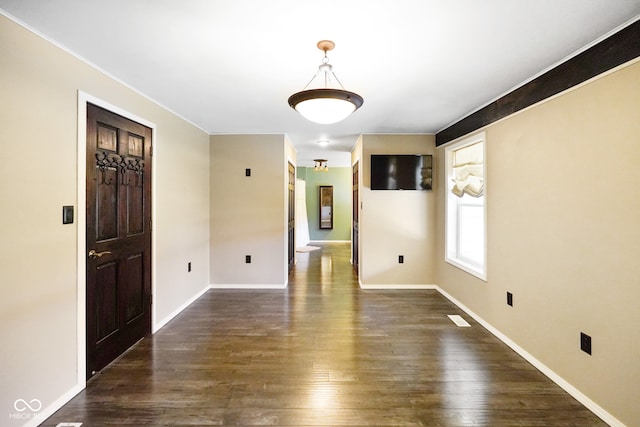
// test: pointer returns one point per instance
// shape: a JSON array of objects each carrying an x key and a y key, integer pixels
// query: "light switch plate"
[{"x": 67, "y": 214}]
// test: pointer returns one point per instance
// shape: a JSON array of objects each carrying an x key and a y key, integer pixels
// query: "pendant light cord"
[{"x": 327, "y": 78}]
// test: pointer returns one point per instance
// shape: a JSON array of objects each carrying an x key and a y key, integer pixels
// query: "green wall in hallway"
[{"x": 340, "y": 178}]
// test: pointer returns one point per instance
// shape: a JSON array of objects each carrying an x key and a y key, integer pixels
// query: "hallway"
[{"x": 322, "y": 353}]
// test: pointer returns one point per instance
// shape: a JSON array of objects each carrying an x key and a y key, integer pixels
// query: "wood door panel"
[
  {"x": 107, "y": 138},
  {"x": 106, "y": 301},
  {"x": 106, "y": 203},
  {"x": 135, "y": 203},
  {"x": 118, "y": 228},
  {"x": 134, "y": 284},
  {"x": 135, "y": 146}
]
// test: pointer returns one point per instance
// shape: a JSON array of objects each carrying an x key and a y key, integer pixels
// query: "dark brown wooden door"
[
  {"x": 118, "y": 235},
  {"x": 291, "y": 238},
  {"x": 355, "y": 255}
]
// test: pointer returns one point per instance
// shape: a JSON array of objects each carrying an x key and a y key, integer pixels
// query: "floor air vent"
[{"x": 458, "y": 320}]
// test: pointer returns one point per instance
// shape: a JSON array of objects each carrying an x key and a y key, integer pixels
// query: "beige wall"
[
  {"x": 563, "y": 227},
  {"x": 248, "y": 214},
  {"x": 39, "y": 84},
  {"x": 394, "y": 223}
]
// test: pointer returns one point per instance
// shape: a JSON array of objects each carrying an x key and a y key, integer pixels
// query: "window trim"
[{"x": 451, "y": 222}]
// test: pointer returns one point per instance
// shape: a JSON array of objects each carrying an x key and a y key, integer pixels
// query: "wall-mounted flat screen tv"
[{"x": 401, "y": 171}]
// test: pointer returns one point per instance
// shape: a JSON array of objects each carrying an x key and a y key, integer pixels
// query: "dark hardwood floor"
[{"x": 322, "y": 353}]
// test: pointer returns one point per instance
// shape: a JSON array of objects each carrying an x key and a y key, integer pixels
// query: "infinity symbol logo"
[{"x": 22, "y": 405}]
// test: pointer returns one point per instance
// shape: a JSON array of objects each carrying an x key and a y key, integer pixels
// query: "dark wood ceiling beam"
[{"x": 611, "y": 52}]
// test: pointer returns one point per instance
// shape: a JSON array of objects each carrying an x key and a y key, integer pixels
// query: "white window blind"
[{"x": 468, "y": 171}]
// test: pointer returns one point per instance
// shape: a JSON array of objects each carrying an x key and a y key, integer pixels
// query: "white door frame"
[{"x": 81, "y": 222}]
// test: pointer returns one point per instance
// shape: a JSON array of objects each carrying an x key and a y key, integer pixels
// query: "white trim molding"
[
  {"x": 404, "y": 286},
  {"x": 251, "y": 286},
  {"x": 160, "y": 324}
]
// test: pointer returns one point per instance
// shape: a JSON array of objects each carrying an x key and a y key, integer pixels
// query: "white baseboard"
[
  {"x": 566, "y": 386},
  {"x": 55, "y": 406},
  {"x": 253, "y": 286},
  {"x": 399, "y": 287},
  {"x": 177, "y": 311},
  {"x": 330, "y": 241}
]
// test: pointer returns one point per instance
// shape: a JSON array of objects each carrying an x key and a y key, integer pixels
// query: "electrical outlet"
[
  {"x": 247, "y": 259},
  {"x": 401, "y": 259},
  {"x": 585, "y": 343},
  {"x": 189, "y": 267},
  {"x": 510, "y": 299}
]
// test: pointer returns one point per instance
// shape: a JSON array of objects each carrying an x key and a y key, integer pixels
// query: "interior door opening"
[{"x": 118, "y": 235}]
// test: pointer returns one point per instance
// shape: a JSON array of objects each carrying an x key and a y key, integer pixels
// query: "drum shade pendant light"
[{"x": 325, "y": 105}]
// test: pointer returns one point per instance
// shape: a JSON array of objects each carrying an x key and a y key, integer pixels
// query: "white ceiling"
[{"x": 229, "y": 66}]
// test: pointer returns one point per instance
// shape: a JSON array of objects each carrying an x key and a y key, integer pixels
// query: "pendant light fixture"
[{"x": 325, "y": 105}]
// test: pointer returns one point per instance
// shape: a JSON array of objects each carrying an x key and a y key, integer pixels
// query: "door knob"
[{"x": 93, "y": 254}]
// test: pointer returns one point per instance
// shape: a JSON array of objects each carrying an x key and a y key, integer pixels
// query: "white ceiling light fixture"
[
  {"x": 323, "y": 142},
  {"x": 325, "y": 105}
]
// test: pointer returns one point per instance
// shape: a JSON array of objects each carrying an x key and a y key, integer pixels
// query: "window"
[{"x": 465, "y": 207}]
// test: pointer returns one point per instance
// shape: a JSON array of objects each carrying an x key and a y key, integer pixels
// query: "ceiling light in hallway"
[{"x": 320, "y": 165}]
